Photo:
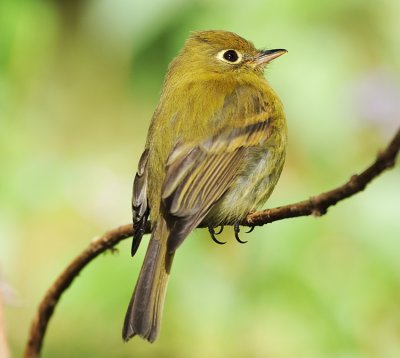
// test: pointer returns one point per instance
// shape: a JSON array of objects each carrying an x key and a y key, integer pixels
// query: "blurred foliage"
[{"x": 78, "y": 83}]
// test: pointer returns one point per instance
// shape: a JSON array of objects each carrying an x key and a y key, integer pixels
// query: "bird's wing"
[
  {"x": 198, "y": 175},
  {"x": 140, "y": 209}
]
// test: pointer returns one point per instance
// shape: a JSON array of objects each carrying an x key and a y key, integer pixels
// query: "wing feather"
[
  {"x": 198, "y": 176},
  {"x": 140, "y": 209}
]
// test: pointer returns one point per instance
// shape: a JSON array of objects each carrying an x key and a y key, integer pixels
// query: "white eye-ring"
[{"x": 230, "y": 56}]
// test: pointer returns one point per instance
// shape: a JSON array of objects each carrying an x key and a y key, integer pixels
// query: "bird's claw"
[
  {"x": 251, "y": 229},
  {"x": 213, "y": 233},
  {"x": 237, "y": 230},
  {"x": 221, "y": 228}
]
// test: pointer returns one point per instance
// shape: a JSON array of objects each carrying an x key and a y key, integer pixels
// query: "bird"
[{"x": 215, "y": 150}]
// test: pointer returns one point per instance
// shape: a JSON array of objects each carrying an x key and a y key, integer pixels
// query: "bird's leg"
[
  {"x": 237, "y": 230},
  {"x": 251, "y": 227},
  {"x": 213, "y": 233}
]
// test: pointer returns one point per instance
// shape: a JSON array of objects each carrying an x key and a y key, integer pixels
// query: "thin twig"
[
  {"x": 317, "y": 205},
  {"x": 50, "y": 300}
]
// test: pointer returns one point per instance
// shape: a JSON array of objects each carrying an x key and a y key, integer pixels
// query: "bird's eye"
[{"x": 230, "y": 56}]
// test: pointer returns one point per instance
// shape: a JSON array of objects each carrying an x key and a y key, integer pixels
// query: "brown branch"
[
  {"x": 317, "y": 205},
  {"x": 48, "y": 304}
]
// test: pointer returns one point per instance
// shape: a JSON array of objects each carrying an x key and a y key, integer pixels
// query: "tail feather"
[{"x": 143, "y": 316}]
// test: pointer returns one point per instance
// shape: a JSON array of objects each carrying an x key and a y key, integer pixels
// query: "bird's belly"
[{"x": 252, "y": 187}]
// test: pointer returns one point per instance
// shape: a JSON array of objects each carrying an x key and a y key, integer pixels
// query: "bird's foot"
[
  {"x": 213, "y": 233},
  {"x": 236, "y": 228}
]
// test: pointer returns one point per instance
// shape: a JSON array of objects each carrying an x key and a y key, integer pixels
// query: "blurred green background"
[{"x": 78, "y": 83}]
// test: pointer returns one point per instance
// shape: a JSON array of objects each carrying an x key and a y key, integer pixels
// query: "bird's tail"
[{"x": 144, "y": 312}]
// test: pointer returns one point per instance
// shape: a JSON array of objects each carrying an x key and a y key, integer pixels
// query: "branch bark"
[{"x": 317, "y": 205}]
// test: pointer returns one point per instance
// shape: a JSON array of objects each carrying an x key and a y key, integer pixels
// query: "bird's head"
[{"x": 223, "y": 52}]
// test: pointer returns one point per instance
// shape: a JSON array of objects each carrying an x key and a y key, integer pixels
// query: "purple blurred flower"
[{"x": 376, "y": 99}]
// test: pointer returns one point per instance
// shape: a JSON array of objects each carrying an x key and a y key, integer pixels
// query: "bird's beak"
[{"x": 268, "y": 55}]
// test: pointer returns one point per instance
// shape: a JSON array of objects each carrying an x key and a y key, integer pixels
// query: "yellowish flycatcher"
[{"x": 214, "y": 152}]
